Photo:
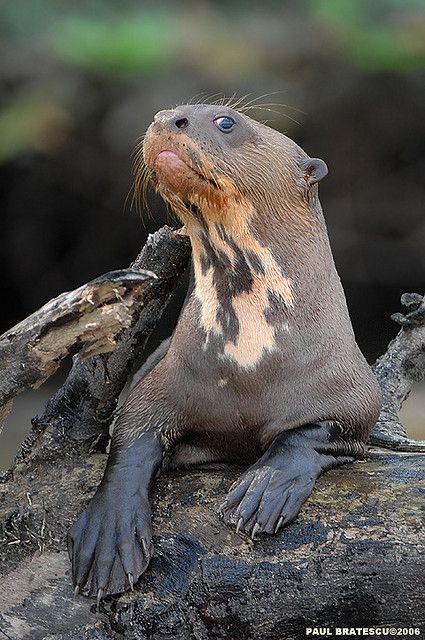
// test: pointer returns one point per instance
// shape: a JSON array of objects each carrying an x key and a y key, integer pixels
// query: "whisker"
[
  {"x": 230, "y": 100},
  {"x": 265, "y": 95},
  {"x": 271, "y": 104},
  {"x": 211, "y": 98},
  {"x": 280, "y": 113},
  {"x": 196, "y": 98},
  {"x": 235, "y": 105}
]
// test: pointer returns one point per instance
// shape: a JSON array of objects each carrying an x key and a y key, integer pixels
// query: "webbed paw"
[
  {"x": 270, "y": 494},
  {"x": 266, "y": 499},
  {"x": 110, "y": 545}
]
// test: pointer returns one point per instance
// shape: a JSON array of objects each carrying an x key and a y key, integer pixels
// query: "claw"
[
  {"x": 279, "y": 524},
  {"x": 240, "y": 523},
  {"x": 145, "y": 548},
  {"x": 76, "y": 590},
  {"x": 130, "y": 580},
  {"x": 222, "y": 507},
  {"x": 255, "y": 530},
  {"x": 99, "y": 598}
]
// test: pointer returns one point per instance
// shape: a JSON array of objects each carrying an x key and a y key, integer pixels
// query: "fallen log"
[{"x": 355, "y": 556}]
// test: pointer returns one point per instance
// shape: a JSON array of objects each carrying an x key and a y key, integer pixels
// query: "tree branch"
[
  {"x": 78, "y": 416},
  {"x": 397, "y": 370},
  {"x": 88, "y": 320},
  {"x": 84, "y": 406}
]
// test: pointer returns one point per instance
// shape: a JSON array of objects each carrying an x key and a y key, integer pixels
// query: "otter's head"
[
  {"x": 247, "y": 195},
  {"x": 213, "y": 159}
]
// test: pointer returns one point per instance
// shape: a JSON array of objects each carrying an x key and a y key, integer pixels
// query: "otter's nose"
[{"x": 171, "y": 120}]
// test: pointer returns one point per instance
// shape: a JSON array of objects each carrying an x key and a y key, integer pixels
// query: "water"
[
  {"x": 18, "y": 424},
  {"x": 412, "y": 413}
]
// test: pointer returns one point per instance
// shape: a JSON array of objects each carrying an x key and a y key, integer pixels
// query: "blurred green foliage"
[
  {"x": 132, "y": 37},
  {"x": 379, "y": 35},
  {"x": 222, "y": 42},
  {"x": 30, "y": 122},
  {"x": 137, "y": 44}
]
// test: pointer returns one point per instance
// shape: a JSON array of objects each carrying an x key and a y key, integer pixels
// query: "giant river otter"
[{"x": 262, "y": 368}]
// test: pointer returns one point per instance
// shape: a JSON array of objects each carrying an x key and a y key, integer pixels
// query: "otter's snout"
[{"x": 171, "y": 120}]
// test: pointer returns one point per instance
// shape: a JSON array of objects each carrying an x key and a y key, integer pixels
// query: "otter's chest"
[
  {"x": 243, "y": 312},
  {"x": 216, "y": 379}
]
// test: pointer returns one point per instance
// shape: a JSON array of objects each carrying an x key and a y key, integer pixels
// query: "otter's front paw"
[
  {"x": 268, "y": 497},
  {"x": 110, "y": 546}
]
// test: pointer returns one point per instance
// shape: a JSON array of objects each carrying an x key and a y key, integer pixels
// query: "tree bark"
[
  {"x": 354, "y": 557},
  {"x": 84, "y": 406},
  {"x": 88, "y": 320}
]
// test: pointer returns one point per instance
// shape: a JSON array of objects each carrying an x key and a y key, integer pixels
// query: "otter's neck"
[
  {"x": 244, "y": 295},
  {"x": 243, "y": 247}
]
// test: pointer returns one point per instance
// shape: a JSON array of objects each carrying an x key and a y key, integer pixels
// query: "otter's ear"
[{"x": 314, "y": 170}]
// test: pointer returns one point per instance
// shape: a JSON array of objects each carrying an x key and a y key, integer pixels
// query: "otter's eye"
[{"x": 224, "y": 123}]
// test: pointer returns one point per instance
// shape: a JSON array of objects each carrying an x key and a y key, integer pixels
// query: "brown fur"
[{"x": 268, "y": 369}]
